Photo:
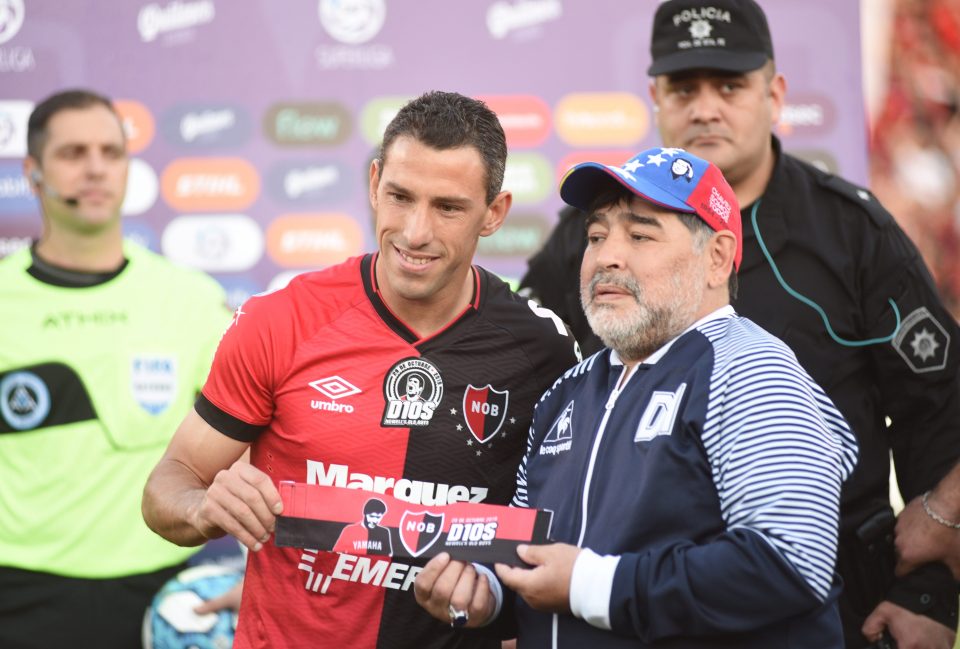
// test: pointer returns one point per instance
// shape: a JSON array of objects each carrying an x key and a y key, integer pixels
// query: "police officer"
[{"x": 826, "y": 269}]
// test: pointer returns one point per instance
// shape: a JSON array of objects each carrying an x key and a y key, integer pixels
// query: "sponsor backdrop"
[{"x": 252, "y": 123}]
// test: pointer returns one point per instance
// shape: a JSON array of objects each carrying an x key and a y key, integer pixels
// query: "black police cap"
[{"x": 729, "y": 35}]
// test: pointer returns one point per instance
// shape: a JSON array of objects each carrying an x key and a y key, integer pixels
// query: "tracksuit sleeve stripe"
[{"x": 779, "y": 451}]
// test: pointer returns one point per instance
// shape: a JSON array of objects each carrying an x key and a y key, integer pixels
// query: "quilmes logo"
[
  {"x": 306, "y": 182},
  {"x": 505, "y": 17},
  {"x": 316, "y": 124},
  {"x": 352, "y": 21},
  {"x": 412, "y": 391},
  {"x": 333, "y": 387},
  {"x": 207, "y": 126},
  {"x": 154, "y": 20},
  {"x": 11, "y": 19}
]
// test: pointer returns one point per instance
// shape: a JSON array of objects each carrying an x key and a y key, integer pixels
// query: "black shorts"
[{"x": 43, "y": 611}]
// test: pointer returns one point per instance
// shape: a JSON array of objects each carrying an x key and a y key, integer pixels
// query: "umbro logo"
[{"x": 333, "y": 387}]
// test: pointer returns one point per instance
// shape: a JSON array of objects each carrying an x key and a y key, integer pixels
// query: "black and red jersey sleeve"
[{"x": 237, "y": 398}]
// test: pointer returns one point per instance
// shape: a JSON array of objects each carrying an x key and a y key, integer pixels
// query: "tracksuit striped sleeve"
[{"x": 778, "y": 449}]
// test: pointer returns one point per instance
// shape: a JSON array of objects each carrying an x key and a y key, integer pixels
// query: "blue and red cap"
[{"x": 671, "y": 178}]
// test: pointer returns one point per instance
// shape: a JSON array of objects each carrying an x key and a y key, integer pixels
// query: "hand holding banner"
[{"x": 364, "y": 522}]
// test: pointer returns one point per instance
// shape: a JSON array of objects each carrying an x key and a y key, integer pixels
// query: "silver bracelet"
[{"x": 935, "y": 516}]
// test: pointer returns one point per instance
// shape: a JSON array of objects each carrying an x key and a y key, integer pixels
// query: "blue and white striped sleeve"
[{"x": 779, "y": 451}]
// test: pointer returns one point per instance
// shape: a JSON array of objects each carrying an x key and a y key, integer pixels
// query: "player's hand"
[
  {"x": 229, "y": 600},
  {"x": 920, "y": 540},
  {"x": 911, "y": 631},
  {"x": 546, "y": 586},
  {"x": 444, "y": 583},
  {"x": 241, "y": 501}
]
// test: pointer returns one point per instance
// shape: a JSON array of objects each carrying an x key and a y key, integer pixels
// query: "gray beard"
[{"x": 636, "y": 335}]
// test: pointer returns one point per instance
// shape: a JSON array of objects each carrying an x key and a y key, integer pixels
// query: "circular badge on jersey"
[
  {"x": 24, "y": 400},
  {"x": 412, "y": 391}
]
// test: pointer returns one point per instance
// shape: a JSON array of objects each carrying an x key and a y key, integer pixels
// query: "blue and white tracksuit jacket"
[{"x": 706, "y": 489}]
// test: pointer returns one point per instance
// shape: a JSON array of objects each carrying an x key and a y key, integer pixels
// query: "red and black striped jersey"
[{"x": 333, "y": 389}]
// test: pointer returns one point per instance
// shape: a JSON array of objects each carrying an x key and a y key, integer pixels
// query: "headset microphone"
[{"x": 37, "y": 178}]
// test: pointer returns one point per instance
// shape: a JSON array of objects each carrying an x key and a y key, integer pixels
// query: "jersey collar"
[{"x": 392, "y": 320}]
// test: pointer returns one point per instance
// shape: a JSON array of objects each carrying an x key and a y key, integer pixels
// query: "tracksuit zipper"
[{"x": 608, "y": 408}]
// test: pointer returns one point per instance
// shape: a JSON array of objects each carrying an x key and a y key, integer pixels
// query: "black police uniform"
[{"x": 835, "y": 244}]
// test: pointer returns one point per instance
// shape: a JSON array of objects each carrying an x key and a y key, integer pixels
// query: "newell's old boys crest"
[
  {"x": 412, "y": 391},
  {"x": 420, "y": 530},
  {"x": 485, "y": 410}
]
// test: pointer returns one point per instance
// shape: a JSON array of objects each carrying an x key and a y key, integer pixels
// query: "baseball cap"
[
  {"x": 671, "y": 178},
  {"x": 730, "y": 35}
]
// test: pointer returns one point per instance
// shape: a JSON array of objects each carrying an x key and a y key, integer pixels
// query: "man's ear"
[
  {"x": 778, "y": 96},
  {"x": 721, "y": 251},
  {"x": 654, "y": 100},
  {"x": 496, "y": 213},
  {"x": 31, "y": 169},
  {"x": 374, "y": 182}
]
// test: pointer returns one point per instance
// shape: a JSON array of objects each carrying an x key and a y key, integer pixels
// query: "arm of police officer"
[
  {"x": 199, "y": 491},
  {"x": 921, "y": 539},
  {"x": 919, "y": 379},
  {"x": 446, "y": 585}
]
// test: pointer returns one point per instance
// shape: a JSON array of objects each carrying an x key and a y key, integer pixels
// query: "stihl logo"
[{"x": 412, "y": 491}]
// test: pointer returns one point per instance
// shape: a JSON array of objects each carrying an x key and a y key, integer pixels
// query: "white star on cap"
[
  {"x": 657, "y": 159},
  {"x": 671, "y": 151},
  {"x": 622, "y": 173},
  {"x": 632, "y": 166}
]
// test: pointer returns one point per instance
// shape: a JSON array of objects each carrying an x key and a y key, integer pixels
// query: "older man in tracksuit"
[{"x": 693, "y": 467}]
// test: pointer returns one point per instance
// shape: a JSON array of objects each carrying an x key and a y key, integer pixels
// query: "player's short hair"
[
  {"x": 448, "y": 120},
  {"x": 77, "y": 99}
]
